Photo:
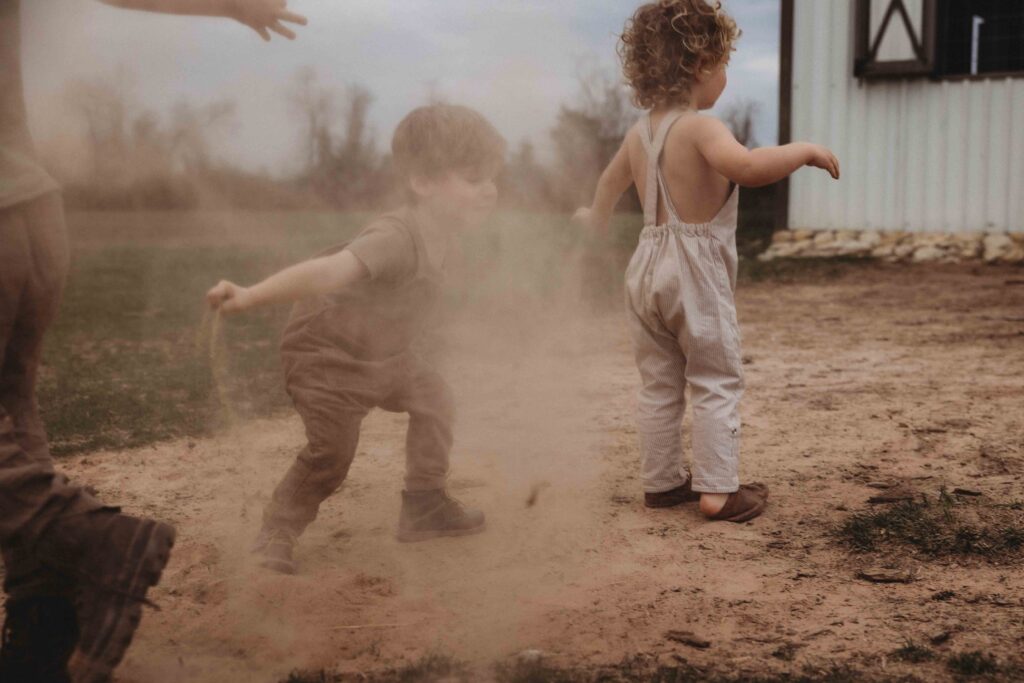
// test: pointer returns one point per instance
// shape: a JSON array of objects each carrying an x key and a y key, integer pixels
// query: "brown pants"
[
  {"x": 333, "y": 392},
  {"x": 33, "y": 268}
]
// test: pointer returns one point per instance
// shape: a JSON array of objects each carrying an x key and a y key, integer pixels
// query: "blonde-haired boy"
[{"x": 350, "y": 344}]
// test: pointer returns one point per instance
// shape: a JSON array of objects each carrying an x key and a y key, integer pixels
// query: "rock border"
[{"x": 905, "y": 247}]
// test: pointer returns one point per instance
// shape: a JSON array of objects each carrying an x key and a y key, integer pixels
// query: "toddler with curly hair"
[{"x": 681, "y": 280}]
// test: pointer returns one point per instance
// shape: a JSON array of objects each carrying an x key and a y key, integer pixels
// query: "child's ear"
[{"x": 421, "y": 186}]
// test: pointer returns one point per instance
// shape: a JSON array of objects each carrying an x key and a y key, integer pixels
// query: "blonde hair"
[
  {"x": 439, "y": 138},
  {"x": 666, "y": 44}
]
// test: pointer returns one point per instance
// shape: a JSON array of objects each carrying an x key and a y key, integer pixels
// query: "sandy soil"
[{"x": 885, "y": 374}]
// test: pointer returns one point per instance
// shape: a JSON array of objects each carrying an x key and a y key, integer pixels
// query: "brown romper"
[{"x": 349, "y": 352}]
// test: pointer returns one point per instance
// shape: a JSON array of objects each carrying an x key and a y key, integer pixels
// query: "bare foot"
[{"x": 711, "y": 503}]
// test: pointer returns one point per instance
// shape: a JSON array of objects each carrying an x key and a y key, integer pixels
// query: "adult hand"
[{"x": 264, "y": 16}]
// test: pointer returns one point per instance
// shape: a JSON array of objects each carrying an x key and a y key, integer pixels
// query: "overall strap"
[{"x": 654, "y": 143}]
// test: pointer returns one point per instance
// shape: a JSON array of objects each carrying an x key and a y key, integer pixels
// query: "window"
[
  {"x": 980, "y": 37},
  {"x": 938, "y": 38}
]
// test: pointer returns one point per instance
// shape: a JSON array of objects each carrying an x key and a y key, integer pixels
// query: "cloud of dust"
[
  {"x": 523, "y": 338},
  {"x": 520, "y": 340},
  {"x": 529, "y": 303}
]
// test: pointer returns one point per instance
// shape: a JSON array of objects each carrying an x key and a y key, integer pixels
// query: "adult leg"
[
  {"x": 33, "y": 268},
  {"x": 57, "y": 538}
]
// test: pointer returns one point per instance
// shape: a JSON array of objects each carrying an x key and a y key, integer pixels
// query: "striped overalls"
[{"x": 682, "y": 316}]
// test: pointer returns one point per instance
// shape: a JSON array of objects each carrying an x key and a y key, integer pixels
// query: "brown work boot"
[
  {"x": 429, "y": 514},
  {"x": 38, "y": 637},
  {"x": 274, "y": 547},
  {"x": 114, "y": 559}
]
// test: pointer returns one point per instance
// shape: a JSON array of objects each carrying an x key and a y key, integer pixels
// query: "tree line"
[{"x": 129, "y": 157}]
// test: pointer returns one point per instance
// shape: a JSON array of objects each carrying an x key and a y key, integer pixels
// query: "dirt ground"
[{"x": 881, "y": 375}]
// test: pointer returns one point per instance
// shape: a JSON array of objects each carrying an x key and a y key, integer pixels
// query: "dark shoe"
[
  {"x": 39, "y": 635},
  {"x": 114, "y": 559},
  {"x": 274, "y": 547},
  {"x": 677, "y": 496},
  {"x": 429, "y": 514}
]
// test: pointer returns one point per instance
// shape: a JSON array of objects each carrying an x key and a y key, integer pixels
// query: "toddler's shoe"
[
  {"x": 743, "y": 505},
  {"x": 677, "y": 496},
  {"x": 429, "y": 514},
  {"x": 274, "y": 547}
]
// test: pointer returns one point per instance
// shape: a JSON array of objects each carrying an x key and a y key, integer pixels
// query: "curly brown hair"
[{"x": 666, "y": 44}]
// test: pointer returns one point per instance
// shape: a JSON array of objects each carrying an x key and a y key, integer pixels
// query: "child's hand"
[
  {"x": 229, "y": 297},
  {"x": 822, "y": 157},
  {"x": 264, "y": 16}
]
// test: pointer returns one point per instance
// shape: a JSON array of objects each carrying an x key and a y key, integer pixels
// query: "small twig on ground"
[{"x": 357, "y": 627}]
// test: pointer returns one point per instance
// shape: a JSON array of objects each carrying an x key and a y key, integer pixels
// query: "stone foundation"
[{"x": 910, "y": 247}]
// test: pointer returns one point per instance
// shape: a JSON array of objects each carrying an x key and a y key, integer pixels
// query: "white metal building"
[{"x": 923, "y": 102}]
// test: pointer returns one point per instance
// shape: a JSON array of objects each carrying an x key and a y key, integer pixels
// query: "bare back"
[{"x": 697, "y": 191}]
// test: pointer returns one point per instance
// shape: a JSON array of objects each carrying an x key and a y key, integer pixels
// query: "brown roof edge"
[{"x": 785, "y": 105}]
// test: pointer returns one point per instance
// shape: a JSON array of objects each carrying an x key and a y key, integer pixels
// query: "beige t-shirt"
[{"x": 22, "y": 178}]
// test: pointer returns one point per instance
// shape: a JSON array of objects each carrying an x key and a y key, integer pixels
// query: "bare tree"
[
  {"x": 740, "y": 117},
  {"x": 524, "y": 183},
  {"x": 588, "y": 133},
  {"x": 190, "y": 130},
  {"x": 105, "y": 107},
  {"x": 317, "y": 106}
]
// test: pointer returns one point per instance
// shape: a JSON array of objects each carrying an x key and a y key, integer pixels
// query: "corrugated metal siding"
[{"x": 917, "y": 155}]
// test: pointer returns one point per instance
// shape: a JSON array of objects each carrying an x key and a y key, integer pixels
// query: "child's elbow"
[
  {"x": 746, "y": 174},
  {"x": 752, "y": 174},
  {"x": 754, "y": 180}
]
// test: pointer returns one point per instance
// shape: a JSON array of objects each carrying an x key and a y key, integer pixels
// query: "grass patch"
[
  {"x": 121, "y": 367},
  {"x": 973, "y": 664},
  {"x": 796, "y": 270},
  {"x": 432, "y": 668},
  {"x": 913, "y": 653},
  {"x": 942, "y": 527}
]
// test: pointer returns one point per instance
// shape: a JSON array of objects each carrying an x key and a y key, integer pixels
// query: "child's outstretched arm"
[
  {"x": 262, "y": 16},
  {"x": 615, "y": 180},
  {"x": 310, "y": 278},
  {"x": 762, "y": 166}
]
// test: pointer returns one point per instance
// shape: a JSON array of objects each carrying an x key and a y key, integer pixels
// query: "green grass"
[
  {"x": 937, "y": 528},
  {"x": 121, "y": 365}
]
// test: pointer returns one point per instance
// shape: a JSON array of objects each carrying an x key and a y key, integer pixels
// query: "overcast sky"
[{"x": 516, "y": 61}]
